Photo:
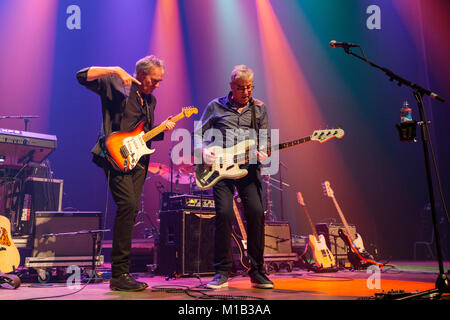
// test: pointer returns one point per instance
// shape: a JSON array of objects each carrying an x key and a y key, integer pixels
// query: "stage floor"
[{"x": 299, "y": 284}]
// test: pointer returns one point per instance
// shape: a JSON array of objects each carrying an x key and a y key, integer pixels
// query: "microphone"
[{"x": 336, "y": 44}]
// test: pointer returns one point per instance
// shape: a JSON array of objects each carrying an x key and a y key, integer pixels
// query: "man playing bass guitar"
[{"x": 231, "y": 116}]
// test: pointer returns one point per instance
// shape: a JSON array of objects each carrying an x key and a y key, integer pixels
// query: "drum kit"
[
  {"x": 180, "y": 175},
  {"x": 184, "y": 174}
]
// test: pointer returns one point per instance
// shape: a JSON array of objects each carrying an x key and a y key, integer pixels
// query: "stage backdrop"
[{"x": 379, "y": 182}]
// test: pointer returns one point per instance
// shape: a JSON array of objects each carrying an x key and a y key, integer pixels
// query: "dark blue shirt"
[{"x": 221, "y": 114}]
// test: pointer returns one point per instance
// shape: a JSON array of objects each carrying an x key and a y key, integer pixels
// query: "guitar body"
[
  {"x": 124, "y": 149},
  {"x": 356, "y": 253},
  {"x": 322, "y": 255},
  {"x": 240, "y": 237},
  {"x": 241, "y": 245},
  {"x": 225, "y": 166},
  {"x": 9, "y": 255}
]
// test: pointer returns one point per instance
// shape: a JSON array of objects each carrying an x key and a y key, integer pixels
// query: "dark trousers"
[
  {"x": 126, "y": 190},
  {"x": 249, "y": 189}
]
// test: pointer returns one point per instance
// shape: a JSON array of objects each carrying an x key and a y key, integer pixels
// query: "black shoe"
[
  {"x": 219, "y": 281},
  {"x": 126, "y": 283},
  {"x": 260, "y": 280}
]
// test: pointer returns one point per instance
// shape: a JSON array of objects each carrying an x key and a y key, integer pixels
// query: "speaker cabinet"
[
  {"x": 277, "y": 238},
  {"x": 278, "y": 246},
  {"x": 37, "y": 194},
  {"x": 64, "y": 222},
  {"x": 186, "y": 243},
  {"x": 336, "y": 245}
]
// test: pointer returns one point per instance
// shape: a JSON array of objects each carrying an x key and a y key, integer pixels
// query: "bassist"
[{"x": 231, "y": 116}]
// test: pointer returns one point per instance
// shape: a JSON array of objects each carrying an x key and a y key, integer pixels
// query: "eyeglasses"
[
  {"x": 248, "y": 88},
  {"x": 156, "y": 81}
]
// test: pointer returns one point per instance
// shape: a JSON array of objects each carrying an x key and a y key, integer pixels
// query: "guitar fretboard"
[
  {"x": 160, "y": 128},
  {"x": 344, "y": 221},
  {"x": 310, "y": 223},
  {"x": 244, "y": 157}
]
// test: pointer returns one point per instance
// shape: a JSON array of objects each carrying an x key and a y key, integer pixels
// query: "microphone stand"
[
  {"x": 25, "y": 118},
  {"x": 442, "y": 284}
]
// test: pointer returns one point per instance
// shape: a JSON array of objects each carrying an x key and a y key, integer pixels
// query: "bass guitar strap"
[{"x": 254, "y": 125}]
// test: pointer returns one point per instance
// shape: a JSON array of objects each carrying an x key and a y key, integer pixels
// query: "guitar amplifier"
[
  {"x": 186, "y": 242},
  {"x": 49, "y": 222},
  {"x": 336, "y": 245},
  {"x": 189, "y": 202},
  {"x": 37, "y": 194},
  {"x": 278, "y": 246}
]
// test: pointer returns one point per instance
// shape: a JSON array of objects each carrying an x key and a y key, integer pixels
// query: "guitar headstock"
[
  {"x": 327, "y": 189},
  {"x": 300, "y": 199},
  {"x": 327, "y": 134},
  {"x": 189, "y": 111}
]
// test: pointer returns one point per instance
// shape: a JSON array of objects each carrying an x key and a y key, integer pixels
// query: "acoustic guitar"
[{"x": 9, "y": 255}]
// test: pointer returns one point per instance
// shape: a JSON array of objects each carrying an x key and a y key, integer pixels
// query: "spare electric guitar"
[
  {"x": 322, "y": 255},
  {"x": 240, "y": 240},
  {"x": 124, "y": 149},
  {"x": 228, "y": 160},
  {"x": 9, "y": 255},
  {"x": 357, "y": 254}
]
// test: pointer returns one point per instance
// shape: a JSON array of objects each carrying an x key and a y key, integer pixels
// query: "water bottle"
[{"x": 406, "y": 113}]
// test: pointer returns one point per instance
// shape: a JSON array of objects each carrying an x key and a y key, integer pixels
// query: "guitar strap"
[{"x": 254, "y": 125}]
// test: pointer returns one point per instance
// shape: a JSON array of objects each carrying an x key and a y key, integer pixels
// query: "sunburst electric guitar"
[
  {"x": 9, "y": 255},
  {"x": 124, "y": 149},
  {"x": 357, "y": 254},
  {"x": 228, "y": 160},
  {"x": 322, "y": 255}
]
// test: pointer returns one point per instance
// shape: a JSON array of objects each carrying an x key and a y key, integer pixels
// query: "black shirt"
[{"x": 122, "y": 109}]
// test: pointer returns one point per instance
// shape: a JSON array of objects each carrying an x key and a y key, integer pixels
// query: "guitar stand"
[{"x": 442, "y": 284}]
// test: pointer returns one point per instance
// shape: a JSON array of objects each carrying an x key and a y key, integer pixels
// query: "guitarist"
[
  {"x": 232, "y": 116},
  {"x": 126, "y": 101}
]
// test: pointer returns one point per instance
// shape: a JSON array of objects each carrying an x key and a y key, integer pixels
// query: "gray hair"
[
  {"x": 241, "y": 72},
  {"x": 147, "y": 63}
]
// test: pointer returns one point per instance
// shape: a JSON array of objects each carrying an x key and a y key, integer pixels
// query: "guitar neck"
[
  {"x": 310, "y": 223},
  {"x": 239, "y": 220},
  {"x": 344, "y": 221},
  {"x": 244, "y": 157},
  {"x": 289, "y": 144},
  {"x": 160, "y": 128}
]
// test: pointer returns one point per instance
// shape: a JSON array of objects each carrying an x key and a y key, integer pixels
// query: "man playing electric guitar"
[{"x": 126, "y": 102}]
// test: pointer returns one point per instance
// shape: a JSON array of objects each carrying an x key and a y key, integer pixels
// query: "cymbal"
[
  {"x": 186, "y": 168},
  {"x": 180, "y": 178},
  {"x": 158, "y": 168}
]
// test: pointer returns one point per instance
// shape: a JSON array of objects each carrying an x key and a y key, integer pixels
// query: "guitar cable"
[{"x": 199, "y": 292}]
